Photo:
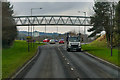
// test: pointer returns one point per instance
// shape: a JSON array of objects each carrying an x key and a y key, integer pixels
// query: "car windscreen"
[
  {"x": 52, "y": 40},
  {"x": 73, "y": 39},
  {"x": 61, "y": 40}
]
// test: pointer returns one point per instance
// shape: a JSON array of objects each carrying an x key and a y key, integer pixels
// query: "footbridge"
[{"x": 52, "y": 20}]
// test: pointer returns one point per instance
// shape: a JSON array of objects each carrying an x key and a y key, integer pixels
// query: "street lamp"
[
  {"x": 84, "y": 26},
  {"x": 111, "y": 24},
  {"x": 79, "y": 26},
  {"x": 31, "y": 20},
  {"x": 85, "y": 23},
  {"x": 45, "y": 25},
  {"x": 57, "y": 29}
]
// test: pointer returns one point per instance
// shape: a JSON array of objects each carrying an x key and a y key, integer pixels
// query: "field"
[
  {"x": 99, "y": 48},
  {"x": 14, "y": 57}
]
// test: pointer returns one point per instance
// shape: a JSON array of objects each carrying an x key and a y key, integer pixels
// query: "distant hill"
[{"x": 40, "y": 33}]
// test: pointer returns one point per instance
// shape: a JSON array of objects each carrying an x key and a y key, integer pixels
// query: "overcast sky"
[
  {"x": 51, "y": 0},
  {"x": 53, "y": 7}
]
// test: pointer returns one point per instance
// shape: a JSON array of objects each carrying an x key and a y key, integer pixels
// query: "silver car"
[{"x": 52, "y": 41}]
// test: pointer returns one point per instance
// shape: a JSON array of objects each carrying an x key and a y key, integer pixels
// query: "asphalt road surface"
[{"x": 55, "y": 62}]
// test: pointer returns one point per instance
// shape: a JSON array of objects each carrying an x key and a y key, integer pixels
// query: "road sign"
[{"x": 29, "y": 37}]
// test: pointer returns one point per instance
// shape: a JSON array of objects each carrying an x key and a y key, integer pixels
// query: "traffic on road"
[
  {"x": 55, "y": 62},
  {"x": 65, "y": 59},
  {"x": 53, "y": 40}
]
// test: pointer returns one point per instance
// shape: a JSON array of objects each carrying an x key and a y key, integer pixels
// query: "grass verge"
[
  {"x": 99, "y": 49},
  {"x": 13, "y": 58}
]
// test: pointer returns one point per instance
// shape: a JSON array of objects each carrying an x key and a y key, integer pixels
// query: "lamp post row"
[
  {"x": 31, "y": 20},
  {"x": 32, "y": 31}
]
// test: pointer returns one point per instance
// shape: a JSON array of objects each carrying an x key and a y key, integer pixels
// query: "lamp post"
[
  {"x": 28, "y": 41},
  {"x": 85, "y": 23},
  {"x": 79, "y": 26},
  {"x": 79, "y": 29},
  {"x": 84, "y": 26},
  {"x": 57, "y": 29},
  {"x": 111, "y": 24},
  {"x": 45, "y": 25},
  {"x": 32, "y": 32}
]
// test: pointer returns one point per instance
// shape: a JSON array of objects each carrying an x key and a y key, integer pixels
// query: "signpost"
[{"x": 29, "y": 38}]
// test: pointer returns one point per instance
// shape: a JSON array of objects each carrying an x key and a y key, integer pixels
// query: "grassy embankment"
[
  {"x": 99, "y": 48},
  {"x": 14, "y": 57}
]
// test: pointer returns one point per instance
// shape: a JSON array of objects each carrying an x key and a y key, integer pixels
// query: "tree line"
[{"x": 106, "y": 18}]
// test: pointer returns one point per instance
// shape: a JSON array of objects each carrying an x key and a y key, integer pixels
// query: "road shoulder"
[{"x": 102, "y": 60}]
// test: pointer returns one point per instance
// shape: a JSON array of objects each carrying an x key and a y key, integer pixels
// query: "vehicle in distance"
[
  {"x": 46, "y": 40},
  {"x": 73, "y": 43},
  {"x": 61, "y": 41},
  {"x": 56, "y": 40},
  {"x": 52, "y": 41}
]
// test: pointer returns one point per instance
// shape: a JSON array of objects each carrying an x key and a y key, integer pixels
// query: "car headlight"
[
  {"x": 79, "y": 44},
  {"x": 69, "y": 44}
]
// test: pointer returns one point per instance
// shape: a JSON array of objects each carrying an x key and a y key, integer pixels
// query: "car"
[
  {"x": 61, "y": 41},
  {"x": 52, "y": 41},
  {"x": 46, "y": 40},
  {"x": 56, "y": 40}
]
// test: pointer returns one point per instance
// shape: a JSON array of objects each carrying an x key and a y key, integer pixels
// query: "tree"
[
  {"x": 9, "y": 30},
  {"x": 117, "y": 26},
  {"x": 100, "y": 19}
]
